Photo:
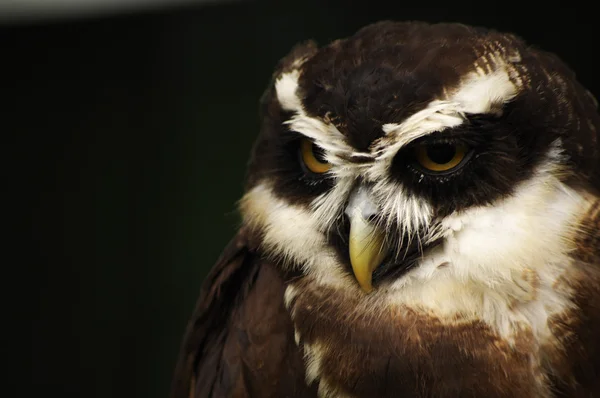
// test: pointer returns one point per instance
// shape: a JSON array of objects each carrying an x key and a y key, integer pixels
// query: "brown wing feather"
[
  {"x": 239, "y": 341},
  {"x": 576, "y": 369},
  {"x": 207, "y": 326}
]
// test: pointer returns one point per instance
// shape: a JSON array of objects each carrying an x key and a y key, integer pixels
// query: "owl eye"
[
  {"x": 313, "y": 157},
  {"x": 442, "y": 157}
]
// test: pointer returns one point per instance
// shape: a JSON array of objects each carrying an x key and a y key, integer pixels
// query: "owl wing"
[
  {"x": 239, "y": 340},
  {"x": 581, "y": 365}
]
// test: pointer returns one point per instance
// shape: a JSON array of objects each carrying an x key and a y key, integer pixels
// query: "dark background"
[{"x": 127, "y": 141}]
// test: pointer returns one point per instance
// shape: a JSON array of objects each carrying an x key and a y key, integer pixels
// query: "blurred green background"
[{"x": 127, "y": 139}]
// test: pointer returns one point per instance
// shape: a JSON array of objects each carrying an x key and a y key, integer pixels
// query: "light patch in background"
[{"x": 19, "y": 11}]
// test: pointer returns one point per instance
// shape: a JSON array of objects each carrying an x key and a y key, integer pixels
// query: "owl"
[{"x": 421, "y": 218}]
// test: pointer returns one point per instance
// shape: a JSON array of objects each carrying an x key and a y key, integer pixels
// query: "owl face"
[{"x": 425, "y": 165}]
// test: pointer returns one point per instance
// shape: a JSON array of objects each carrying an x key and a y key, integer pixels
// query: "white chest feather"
[{"x": 500, "y": 263}]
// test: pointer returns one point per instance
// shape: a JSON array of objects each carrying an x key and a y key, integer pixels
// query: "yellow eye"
[
  {"x": 440, "y": 157},
  {"x": 313, "y": 157}
]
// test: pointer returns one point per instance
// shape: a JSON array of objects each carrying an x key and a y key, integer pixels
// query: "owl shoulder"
[{"x": 239, "y": 341}]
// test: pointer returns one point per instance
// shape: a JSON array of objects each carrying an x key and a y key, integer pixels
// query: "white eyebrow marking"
[
  {"x": 481, "y": 91},
  {"x": 326, "y": 135},
  {"x": 285, "y": 87},
  {"x": 437, "y": 116},
  {"x": 478, "y": 93}
]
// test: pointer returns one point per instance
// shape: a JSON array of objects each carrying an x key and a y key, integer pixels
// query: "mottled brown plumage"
[{"x": 491, "y": 281}]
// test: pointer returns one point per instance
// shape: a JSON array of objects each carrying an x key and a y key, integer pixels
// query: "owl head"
[{"x": 436, "y": 164}]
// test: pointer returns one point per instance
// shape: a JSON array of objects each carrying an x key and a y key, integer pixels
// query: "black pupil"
[
  {"x": 441, "y": 153},
  {"x": 318, "y": 153}
]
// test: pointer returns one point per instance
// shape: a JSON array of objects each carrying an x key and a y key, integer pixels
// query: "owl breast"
[{"x": 351, "y": 349}]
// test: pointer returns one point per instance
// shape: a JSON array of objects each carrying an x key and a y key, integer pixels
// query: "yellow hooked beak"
[{"x": 366, "y": 246}]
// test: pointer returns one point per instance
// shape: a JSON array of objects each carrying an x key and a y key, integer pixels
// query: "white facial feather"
[
  {"x": 494, "y": 82},
  {"x": 288, "y": 231},
  {"x": 326, "y": 135},
  {"x": 408, "y": 212},
  {"x": 500, "y": 263},
  {"x": 438, "y": 115},
  {"x": 484, "y": 93},
  {"x": 285, "y": 87},
  {"x": 327, "y": 207},
  {"x": 478, "y": 93}
]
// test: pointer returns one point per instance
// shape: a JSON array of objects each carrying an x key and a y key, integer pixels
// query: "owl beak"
[{"x": 366, "y": 246}]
